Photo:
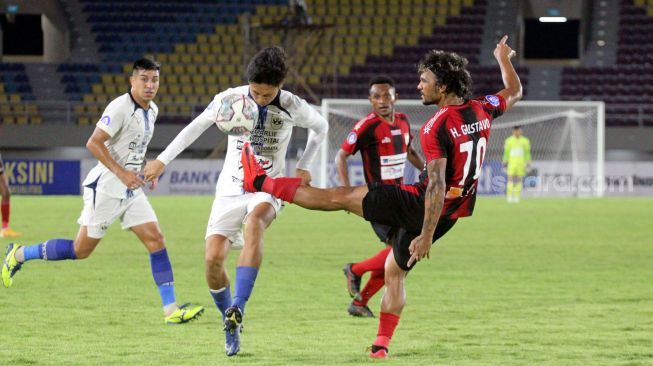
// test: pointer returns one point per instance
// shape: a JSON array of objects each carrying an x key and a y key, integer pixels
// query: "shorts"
[
  {"x": 101, "y": 210},
  {"x": 383, "y": 232},
  {"x": 400, "y": 206},
  {"x": 229, "y": 213},
  {"x": 518, "y": 170}
]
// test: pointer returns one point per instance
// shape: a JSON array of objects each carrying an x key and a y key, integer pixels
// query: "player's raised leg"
[
  {"x": 150, "y": 235},
  {"x": 290, "y": 189}
]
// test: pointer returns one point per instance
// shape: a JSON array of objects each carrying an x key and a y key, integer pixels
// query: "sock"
[
  {"x": 387, "y": 324},
  {"x": 245, "y": 278},
  {"x": 282, "y": 187},
  {"x": 510, "y": 188},
  {"x": 162, "y": 273},
  {"x": 518, "y": 188},
  {"x": 373, "y": 285},
  {"x": 51, "y": 250},
  {"x": 222, "y": 299},
  {"x": 31, "y": 252},
  {"x": 5, "y": 214},
  {"x": 375, "y": 263}
]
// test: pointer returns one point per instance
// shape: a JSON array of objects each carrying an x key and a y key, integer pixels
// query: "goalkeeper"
[{"x": 516, "y": 161}]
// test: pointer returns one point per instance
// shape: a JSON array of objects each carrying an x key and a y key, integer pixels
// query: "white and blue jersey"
[{"x": 130, "y": 128}]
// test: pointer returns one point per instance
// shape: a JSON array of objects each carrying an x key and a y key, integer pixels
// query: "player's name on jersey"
[{"x": 471, "y": 128}]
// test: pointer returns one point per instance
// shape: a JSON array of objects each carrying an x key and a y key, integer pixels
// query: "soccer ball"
[{"x": 237, "y": 115}]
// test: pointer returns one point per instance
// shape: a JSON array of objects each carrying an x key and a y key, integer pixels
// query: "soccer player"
[
  {"x": 454, "y": 142},
  {"x": 383, "y": 137},
  {"x": 279, "y": 112},
  {"x": 113, "y": 189},
  {"x": 5, "y": 232},
  {"x": 516, "y": 160}
]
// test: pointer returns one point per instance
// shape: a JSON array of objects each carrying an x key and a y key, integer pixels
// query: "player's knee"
[
  {"x": 215, "y": 258},
  {"x": 155, "y": 242}
]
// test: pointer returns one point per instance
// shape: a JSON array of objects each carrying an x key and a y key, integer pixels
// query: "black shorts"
[
  {"x": 401, "y": 207},
  {"x": 383, "y": 232}
]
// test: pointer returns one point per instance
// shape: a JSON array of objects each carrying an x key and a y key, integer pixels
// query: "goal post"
[{"x": 567, "y": 145}]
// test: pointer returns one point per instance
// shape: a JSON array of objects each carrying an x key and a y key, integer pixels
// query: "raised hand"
[{"x": 503, "y": 50}]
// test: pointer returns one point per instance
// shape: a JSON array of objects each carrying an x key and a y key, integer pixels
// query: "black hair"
[
  {"x": 516, "y": 127},
  {"x": 268, "y": 66},
  {"x": 450, "y": 70},
  {"x": 146, "y": 64},
  {"x": 382, "y": 79}
]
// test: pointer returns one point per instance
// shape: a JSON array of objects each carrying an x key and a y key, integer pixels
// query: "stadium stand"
[
  {"x": 201, "y": 47},
  {"x": 16, "y": 98},
  {"x": 627, "y": 86}
]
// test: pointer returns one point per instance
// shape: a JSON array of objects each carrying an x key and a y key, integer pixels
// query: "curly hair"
[
  {"x": 450, "y": 70},
  {"x": 268, "y": 66}
]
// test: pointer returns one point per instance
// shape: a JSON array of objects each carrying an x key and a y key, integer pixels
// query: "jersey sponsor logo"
[
  {"x": 106, "y": 120},
  {"x": 392, "y": 172},
  {"x": 351, "y": 139},
  {"x": 395, "y": 132},
  {"x": 493, "y": 100},
  {"x": 386, "y": 140},
  {"x": 393, "y": 159}
]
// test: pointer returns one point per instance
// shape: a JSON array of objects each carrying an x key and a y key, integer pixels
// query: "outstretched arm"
[
  {"x": 433, "y": 203},
  {"x": 512, "y": 91}
]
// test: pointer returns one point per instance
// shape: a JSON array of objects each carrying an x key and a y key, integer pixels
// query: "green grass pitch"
[{"x": 544, "y": 282}]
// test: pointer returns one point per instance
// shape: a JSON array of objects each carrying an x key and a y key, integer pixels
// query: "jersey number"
[{"x": 468, "y": 147}]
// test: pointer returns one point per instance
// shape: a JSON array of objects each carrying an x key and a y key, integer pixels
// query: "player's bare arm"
[
  {"x": 95, "y": 145},
  {"x": 414, "y": 158},
  {"x": 305, "y": 175},
  {"x": 512, "y": 91},
  {"x": 341, "y": 167},
  {"x": 433, "y": 203}
]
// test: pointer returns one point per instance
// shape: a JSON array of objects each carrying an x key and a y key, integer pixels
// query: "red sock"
[
  {"x": 375, "y": 263},
  {"x": 282, "y": 187},
  {"x": 5, "y": 214},
  {"x": 387, "y": 324},
  {"x": 373, "y": 285}
]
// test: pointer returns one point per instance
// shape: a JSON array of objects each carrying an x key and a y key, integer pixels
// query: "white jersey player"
[
  {"x": 279, "y": 112},
  {"x": 112, "y": 190}
]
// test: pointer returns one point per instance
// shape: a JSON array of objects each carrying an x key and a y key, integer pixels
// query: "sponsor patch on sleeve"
[
  {"x": 106, "y": 120},
  {"x": 493, "y": 100},
  {"x": 351, "y": 139}
]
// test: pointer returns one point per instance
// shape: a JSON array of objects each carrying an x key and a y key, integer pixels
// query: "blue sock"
[
  {"x": 162, "y": 273},
  {"x": 222, "y": 299},
  {"x": 51, "y": 250},
  {"x": 245, "y": 278},
  {"x": 33, "y": 252}
]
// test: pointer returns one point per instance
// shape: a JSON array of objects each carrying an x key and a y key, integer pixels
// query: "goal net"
[{"x": 567, "y": 145}]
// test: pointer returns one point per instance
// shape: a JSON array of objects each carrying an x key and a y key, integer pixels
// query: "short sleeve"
[
  {"x": 493, "y": 104},
  {"x": 436, "y": 145},
  {"x": 113, "y": 118}
]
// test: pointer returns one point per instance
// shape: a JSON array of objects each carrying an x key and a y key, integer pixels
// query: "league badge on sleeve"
[
  {"x": 493, "y": 100},
  {"x": 106, "y": 120},
  {"x": 351, "y": 139}
]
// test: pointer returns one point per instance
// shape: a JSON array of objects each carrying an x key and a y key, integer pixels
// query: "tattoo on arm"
[{"x": 434, "y": 195}]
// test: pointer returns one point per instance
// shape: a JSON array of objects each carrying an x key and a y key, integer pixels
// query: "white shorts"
[
  {"x": 229, "y": 213},
  {"x": 101, "y": 210}
]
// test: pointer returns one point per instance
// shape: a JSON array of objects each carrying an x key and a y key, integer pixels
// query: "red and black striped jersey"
[
  {"x": 460, "y": 134},
  {"x": 383, "y": 147}
]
